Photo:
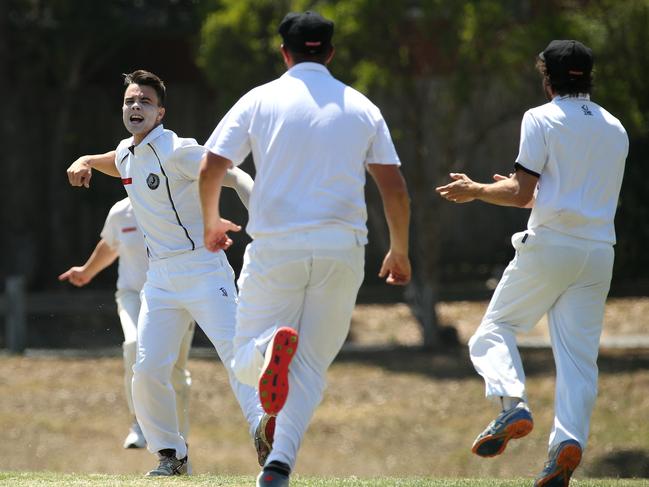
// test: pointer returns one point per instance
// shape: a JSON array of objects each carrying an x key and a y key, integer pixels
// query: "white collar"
[
  {"x": 156, "y": 132},
  {"x": 309, "y": 66},
  {"x": 580, "y": 96}
]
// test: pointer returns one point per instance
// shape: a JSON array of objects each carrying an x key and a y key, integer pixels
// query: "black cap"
[
  {"x": 306, "y": 33},
  {"x": 567, "y": 60}
]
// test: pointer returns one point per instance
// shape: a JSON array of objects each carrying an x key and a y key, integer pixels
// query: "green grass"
[{"x": 24, "y": 479}]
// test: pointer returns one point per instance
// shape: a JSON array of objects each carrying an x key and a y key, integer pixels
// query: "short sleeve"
[
  {"x": 110, "y": 232},
  {"x": 121, "y": 152},
  {"x": 230, "y": 138},
  {"x": 187, "y": 160},
  {"x": 381, "y": 150},
  {"x": 532, "y": 153}
]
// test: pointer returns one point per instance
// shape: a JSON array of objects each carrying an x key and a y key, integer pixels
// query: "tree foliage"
[{"x": 433, "y": 65}]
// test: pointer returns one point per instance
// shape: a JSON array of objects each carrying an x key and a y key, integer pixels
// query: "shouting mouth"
[{"x": 136, "y": 119}]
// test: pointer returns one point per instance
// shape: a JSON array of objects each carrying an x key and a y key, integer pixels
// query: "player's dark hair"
[
  {"x": 566, "y": 87},
  {"x": 146, "y": 78},
  {"x": 300, "y": 57}
]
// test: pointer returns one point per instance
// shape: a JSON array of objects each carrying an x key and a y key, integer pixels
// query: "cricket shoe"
[
  {"x": 264, "y": 435},
  {"x": 135, "y": 437},
  {"x": 563, "y": 459},
  {"x": 169, "y": 465},
  {"x": 511, "y": 424},
  {"x": 275, "y": 474},
  {"x": 273, "y": 380}
]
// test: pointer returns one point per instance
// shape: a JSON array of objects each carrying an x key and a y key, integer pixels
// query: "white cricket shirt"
[
  {"x": 311, "y": 137},
  {"x": 160, "y": 175},
  {"x": 123, "y": 235},
  {"x": 579, "y": 150}
]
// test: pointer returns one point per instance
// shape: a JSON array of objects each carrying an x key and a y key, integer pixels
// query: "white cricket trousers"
[
  {"x": 307, "y": 281},
  {"x": 128, "y": 308},
  {"x": 568, "y": 278},
  {"x": 199, "y": 286}
]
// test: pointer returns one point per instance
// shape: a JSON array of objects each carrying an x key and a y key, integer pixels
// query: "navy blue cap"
[
  {"x": 567, "y": 60},
  {"x": 306, "y": 33}
]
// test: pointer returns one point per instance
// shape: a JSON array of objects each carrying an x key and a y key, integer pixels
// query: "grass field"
[
  {"x": 72, "y": 480},
  {"x": 402, "y": 414}
]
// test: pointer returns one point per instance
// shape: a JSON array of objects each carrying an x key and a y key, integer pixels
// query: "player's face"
[{"x": 141, "y": 112}]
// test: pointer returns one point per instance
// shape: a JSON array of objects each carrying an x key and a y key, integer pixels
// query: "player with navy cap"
[
  {"x": 569, "y": 171},
  {"x": 159, "y": 171},
  {"x": 312, "y": 139}
]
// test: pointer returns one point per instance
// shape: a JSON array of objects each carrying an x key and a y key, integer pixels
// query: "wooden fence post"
[{"x": 16, "y": 318}]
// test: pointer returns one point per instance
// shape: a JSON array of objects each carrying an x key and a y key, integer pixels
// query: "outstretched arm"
[
  {"x": 396, "y": 206},
  {"x": 516, "y": 190},
  {"x": 80, "y": 171},
  {"x": 241, "y": 182},
  {"x": 103, "y": 256},
  {"x": 210, "y": 181}
]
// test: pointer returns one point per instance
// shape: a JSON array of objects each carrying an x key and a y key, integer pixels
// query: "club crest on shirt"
[{"x": 153, "y": 181}]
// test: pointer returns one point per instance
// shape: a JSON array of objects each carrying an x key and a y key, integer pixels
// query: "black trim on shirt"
[
  {"x": 173, "y": 206},
  {"x": 524, "y": 169},
  {"x": 123, "y": 158}
]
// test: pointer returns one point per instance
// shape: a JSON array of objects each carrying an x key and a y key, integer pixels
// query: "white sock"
[{"x": 509, "y": 402}]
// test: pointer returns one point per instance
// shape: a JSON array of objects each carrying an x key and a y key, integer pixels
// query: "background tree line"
[{"x": 453, "y": 78}]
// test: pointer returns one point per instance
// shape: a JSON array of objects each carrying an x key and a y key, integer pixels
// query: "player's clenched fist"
[
  {"x": 396, "y": 269},
  {"x": 80, "y": 172}
]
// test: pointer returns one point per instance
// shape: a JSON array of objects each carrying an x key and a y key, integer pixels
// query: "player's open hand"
[
  {"x": 396, "y": 269},
  {"x": 80, "y": 172},
  {"x": 461, "y": 190},
  {"x": 216, "y": 237},
  {"x": 75, "y": 276}
]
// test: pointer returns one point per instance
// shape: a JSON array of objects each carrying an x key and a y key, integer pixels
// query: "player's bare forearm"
[
  {"x": 396, "y": 206},
  {"x": 102, "y": 256},
  {"x": 516, "y": 190},
  {"x": 210, "y": 180},
  {"x": 104, "y": 163},
  {"x": 80, "y": 171}
]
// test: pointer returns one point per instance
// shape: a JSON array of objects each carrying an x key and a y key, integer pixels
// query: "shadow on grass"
[
  {"x": 621, "y": 463},
  {"x": 454, "y": 362}
]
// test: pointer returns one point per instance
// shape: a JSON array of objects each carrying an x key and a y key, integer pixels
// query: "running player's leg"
[
  {"x": 181, "y": 380},
  {"x": 575, "y": 328},
  {"x": 128, "y": 308},
  {"x": 329, "y": 300},
  {"x": 272, "y": 286},
  {"x": 161, "y": 327},
  {"x": 207, "y": 291},
  {"x": 531, "y": 283}
]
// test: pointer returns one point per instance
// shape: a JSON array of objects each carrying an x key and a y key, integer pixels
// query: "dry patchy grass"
[
  {"x": 397, "y": 412},
  {"x": 377, "y": 324}
]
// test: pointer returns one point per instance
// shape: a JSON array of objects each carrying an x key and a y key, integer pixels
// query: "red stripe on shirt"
[
  {"x": 126, "y": 181},
  {"x": 128, "y": 229}
]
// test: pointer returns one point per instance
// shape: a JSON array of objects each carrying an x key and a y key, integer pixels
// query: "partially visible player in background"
[
  {"x": 159, "y": 171},
  {"x": 122, "y": 239},
  {"x": 575, "y": 150}
]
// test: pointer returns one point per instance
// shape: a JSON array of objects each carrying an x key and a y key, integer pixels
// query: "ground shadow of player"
[{"x": 632, "y": 463}]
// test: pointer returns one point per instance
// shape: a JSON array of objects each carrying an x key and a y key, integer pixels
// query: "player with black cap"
[
  {"x": 312, "y": 140},
  {"x": 572, "y": 155}
]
